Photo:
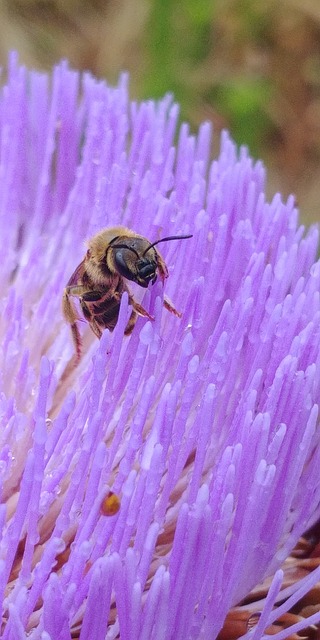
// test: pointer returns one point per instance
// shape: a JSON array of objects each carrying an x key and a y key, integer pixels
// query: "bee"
[{"x": 114, "y": 256}]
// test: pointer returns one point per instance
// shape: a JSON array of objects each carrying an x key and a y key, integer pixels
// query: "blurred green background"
[{"x": 252, "y": 66}]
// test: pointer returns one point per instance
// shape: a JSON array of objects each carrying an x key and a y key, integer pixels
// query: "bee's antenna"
[{"x": 166, "y": 240}]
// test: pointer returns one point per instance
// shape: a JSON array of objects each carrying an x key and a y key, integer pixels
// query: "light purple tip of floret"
[{"x": 234, "y": 384}]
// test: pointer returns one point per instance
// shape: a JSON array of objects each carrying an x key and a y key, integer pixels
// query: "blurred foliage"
[
  {"x": 245, "y": 62},
  {"x": 252, "y": 66}
]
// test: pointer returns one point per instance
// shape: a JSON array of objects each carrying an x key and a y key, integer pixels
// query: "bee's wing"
[{"x": 77, "y": 276}]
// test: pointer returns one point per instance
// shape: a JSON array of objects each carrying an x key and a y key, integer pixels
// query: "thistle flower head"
[{"x": 149, "y": 489}]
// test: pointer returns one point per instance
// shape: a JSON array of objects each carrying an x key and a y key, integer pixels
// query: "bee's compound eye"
[{"x": 122, "y": 266}]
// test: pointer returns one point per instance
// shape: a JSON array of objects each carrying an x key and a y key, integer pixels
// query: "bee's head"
[{"x": 136, "y": 259}]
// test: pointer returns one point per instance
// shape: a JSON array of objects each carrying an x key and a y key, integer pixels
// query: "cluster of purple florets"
[{"x": 205, "y": 428}]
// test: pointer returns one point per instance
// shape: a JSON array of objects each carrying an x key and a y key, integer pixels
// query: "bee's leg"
[
  {"x": 85, "y": 310},
  {"x": 130, "y": 326},
  {"x": 162, "y": 267},
  {"x": 71, "y": 316},
  {"x": 76, "y": 340},
  {"x": 76, "y": 290},
  {"x": 95, "y": 328},
  {"x": 90, "y": 318},
  {"x": 94, "y": 296},
  {"x": 170, "y": 306},
  {"x": 139, "y": 309}
]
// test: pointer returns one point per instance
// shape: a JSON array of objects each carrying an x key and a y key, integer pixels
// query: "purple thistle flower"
[{"x": 205, "y": 428}]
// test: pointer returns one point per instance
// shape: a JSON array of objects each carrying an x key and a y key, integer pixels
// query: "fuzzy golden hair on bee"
[{"x": 115, "y": 256}]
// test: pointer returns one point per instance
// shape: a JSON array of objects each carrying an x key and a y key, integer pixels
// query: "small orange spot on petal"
[{"x": 110, "y": 504}]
